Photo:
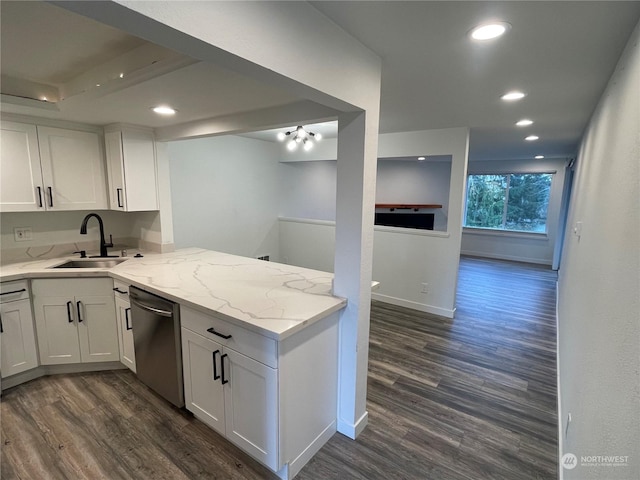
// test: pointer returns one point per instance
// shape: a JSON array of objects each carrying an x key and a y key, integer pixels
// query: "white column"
[{"x": 357, "y": 152}]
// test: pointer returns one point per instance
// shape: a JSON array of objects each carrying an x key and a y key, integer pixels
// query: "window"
[{"x": 513, "y": 201}]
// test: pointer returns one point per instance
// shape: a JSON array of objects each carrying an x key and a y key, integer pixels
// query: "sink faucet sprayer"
[{"x": 103, "y": 243}]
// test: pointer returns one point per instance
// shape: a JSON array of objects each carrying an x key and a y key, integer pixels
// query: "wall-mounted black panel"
[{"x": 422, "y": 221}]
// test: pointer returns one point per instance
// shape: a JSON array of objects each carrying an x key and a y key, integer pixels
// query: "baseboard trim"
[
  {"x": 44, "y": 370},
  {"x": 301, "y": 460},
  {"x": 512, "y": 258},
  {"x": 558, "y": 397},
  {"x": 422, "y": 307},
  {"x": 352, "y": 430}
]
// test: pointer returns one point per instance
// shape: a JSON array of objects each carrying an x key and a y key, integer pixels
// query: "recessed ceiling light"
[
  {"x": 525, "y": 122},
  {"x": 422, "y": 158},
  {"x": 513, "y": 95},
  {"x": 539, "y": 157},
  {"x": 489, "y": 31},
  {"x": 121, "y": 75},
  {"x": 531, "y": 138},
  {"x": 164, "y": 110},
  {"x": 44, "y": 99}
]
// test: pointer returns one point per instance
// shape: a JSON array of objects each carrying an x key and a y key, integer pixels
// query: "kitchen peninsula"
[{"x": 259, "y": 344}]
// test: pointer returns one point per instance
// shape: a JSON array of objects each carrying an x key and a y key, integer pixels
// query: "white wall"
[
  {"x": 599, "y": 285},
  {"x": 522, "y": 247},
  {"x": 403, "y": 259},
  {"x": 224, "y": 194}
]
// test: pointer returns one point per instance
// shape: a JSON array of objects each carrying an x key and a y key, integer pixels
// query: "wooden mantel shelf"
[{"x": 407, "y": 206}]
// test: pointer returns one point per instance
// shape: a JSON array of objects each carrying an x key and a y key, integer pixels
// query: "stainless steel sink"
[{"x": 92, "y": 263}]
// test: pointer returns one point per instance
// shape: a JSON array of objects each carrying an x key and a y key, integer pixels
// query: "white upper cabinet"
[
  {"x": 72, "y": 169},
  {"x": 131, "y": 165},
  {"x": 21, "y": 188},
  {"x": 45, "y": 168}
]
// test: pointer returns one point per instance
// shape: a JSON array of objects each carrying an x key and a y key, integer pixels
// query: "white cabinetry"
[
  {"x": 75, "y": 320},
  {"x": 17, "y": 337},
  {"x": 125, "y": 331},
  {"x": 131, "y": 166},
  {"x": 21, "y": 188},
  {"x": 274, "y": 400},
  {"x": 45, "y": 168}
]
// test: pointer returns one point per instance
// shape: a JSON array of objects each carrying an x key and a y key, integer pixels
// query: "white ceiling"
[{"x": 560, "y": 53}]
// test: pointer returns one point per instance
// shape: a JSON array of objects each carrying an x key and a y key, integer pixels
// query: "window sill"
[{"x": 505, "y": 233}]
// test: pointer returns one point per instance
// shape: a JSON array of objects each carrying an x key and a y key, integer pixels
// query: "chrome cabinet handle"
[{"x": 157, "y": 311}]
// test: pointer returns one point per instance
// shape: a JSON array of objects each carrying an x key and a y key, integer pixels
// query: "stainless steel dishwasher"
[{"x": 156, "y": 337}]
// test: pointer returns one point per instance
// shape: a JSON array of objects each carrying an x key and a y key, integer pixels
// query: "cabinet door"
[
  {"x": 20, "y": 176},
  {"x": 17, "y": 338},
  {"x": 97, "y": 328},
  {"x": 115, "y": 172},
  {"x": 125, "y": 334},
  {"x": 72, "y": 169},
  {"x": 131, "y": 162},
  {"x": 56, "y": 328},
  {"x": 203, "y": 391},
  {"x": 251, "y": 406}
]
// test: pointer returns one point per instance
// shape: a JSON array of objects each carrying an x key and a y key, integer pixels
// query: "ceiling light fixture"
[
  {"x": 489, "y": 31},
  {"x": 121, "y": 75},
  {"x": 422, "y": 158},
  {"x": 513, "y": 95},
  {"x": 299, "y": 136},
  {"x": 525, "y": 122},
  {"x": 164, "y": 110},
  {"x": 532, "y": 138},
  {"x": 539, "y": 157}
]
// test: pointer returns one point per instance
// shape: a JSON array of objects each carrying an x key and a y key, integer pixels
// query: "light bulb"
[
  {"x": 525, "y": 122},
  {"x": 298, "y": 139},
  {"x": 292, "y": 145},
  {"x": 318, "y": 136},
  {"x": 164, "y": 110},
  {"x": 489, "y": 31},
  {"x": 532, "y": 138},
  {"x": 514, "y": 95},
  {"x": 539, "y": 157},
  {"x": 302, "y": 133},
  {"x": 308, "y": 146},
  {"x": 282, "y": 136}
]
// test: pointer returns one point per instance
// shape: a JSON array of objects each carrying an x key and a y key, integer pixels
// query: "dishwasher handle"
[{"x": 149, "y": 308}]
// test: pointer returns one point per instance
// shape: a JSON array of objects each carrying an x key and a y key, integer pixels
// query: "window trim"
[{"x": 502, "y": 231}]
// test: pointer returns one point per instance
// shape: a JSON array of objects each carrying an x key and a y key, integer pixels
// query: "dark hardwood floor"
[{"x": 470, "y": 398}]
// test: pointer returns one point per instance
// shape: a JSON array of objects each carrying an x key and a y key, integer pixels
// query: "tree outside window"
[{"x": 513, "y": 202}]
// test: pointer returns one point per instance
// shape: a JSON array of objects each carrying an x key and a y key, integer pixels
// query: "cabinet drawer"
[
  {"x": 244, "y": 341},
  {"x": 11, "y": 291},
  {"x": 118, "y": 289}
]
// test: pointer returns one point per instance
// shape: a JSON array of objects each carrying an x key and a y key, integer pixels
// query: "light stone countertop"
[{"x": 272, "y": 299}]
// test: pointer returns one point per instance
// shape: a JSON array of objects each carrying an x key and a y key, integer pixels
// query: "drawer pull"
[
  {"x": 222, "y": 335},
  {"x": 78, "y": 305},
  {"x": 14, "y": 291},
  {"x": 119, "y": 291},
  {"x": 215, "y": 369},
  {"x": 69, "y": 307},
  {"x": 126, "y": 318},
  {"x": 222, "y": 366}
]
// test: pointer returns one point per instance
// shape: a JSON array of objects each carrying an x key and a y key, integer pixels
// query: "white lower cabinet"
[
  {"x": 75, "y": 320},
  {"x": 17, "y": 336},
  {"x": 276, "y": 400},
  {"x": 125, "y": 331},
  {"x": 232, "y": 393}
]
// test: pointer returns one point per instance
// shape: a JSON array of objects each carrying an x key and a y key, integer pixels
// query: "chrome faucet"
[{"x": 103, "y": 243}]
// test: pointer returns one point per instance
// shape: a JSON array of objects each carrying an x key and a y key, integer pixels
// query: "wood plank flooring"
[{"x": 470, "y": 398}]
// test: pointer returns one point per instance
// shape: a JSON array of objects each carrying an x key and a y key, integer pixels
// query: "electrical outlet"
[
  {"x": 425, "y": 288},
  {"x": 23, "y": 234}
]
